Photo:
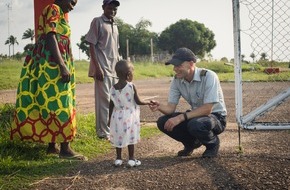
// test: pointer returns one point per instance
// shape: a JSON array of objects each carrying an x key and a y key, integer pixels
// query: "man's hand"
[
  {"x": 154, "y": 105},
  {"x": 99, "y": 74},
  {"x": 172, "y": 122}
]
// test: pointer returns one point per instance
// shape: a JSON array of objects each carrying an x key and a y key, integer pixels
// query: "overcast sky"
[{"x": 214, "y": 14}]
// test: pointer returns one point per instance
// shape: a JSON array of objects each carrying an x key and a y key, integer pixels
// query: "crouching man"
[{"x": 207, "y": 118}]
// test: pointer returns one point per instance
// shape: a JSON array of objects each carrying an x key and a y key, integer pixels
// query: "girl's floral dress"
[{"x": 125, "y": 118}]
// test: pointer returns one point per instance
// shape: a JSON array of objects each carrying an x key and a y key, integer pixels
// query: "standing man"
[
  {"x": 207, "y": 117},
  {"x": 103, "y": 37}
]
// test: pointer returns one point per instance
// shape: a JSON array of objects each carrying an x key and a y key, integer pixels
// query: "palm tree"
[
  {"x": 29, "y": 34},
  {"x": 253, "y": 57},
  {"x": 11, "y": 41},
  {"x": 263, "y": 56},
  {"x": 243, "y": 57}
]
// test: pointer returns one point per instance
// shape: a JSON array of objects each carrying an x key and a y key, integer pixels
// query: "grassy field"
[
  {"x": 23, "y": 163},
  {"x": 10, "y": 72}
]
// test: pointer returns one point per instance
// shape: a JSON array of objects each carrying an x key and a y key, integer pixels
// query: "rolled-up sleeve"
[
  {"x": 174, "y": 93},
  {"x": 211, "y": 89}
]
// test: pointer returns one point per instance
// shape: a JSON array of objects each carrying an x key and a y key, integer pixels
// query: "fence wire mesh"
[{"x": 265, "y": 41}]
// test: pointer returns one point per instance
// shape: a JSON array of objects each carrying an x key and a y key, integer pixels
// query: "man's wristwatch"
[{"x": 185, "y": 116}]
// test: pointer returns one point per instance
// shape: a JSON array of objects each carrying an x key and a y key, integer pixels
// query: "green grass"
[
  {"x": 23, "y": 163},
  {"x": 82, "y": 72},
  {"x": 10, "y": 72},
  {"x": 152, "y": 70}
]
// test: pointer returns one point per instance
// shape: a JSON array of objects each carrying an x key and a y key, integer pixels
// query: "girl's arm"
[
  {"x": 137, "y": 98},
  {"x": 111, "y": 107}
]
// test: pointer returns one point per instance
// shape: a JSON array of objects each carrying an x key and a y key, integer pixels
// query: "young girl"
[{"x": 125, "y": 113}]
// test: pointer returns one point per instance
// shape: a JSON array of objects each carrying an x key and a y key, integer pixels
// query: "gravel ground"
[{"x": 264, "y": 163}]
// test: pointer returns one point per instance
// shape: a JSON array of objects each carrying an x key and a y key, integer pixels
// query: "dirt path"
[
  {"x": 146, "y": 88},
  {"x": 264, "y": 164}
]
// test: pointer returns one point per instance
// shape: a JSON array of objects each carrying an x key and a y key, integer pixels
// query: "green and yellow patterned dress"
[{"x": 45, "y": 106}]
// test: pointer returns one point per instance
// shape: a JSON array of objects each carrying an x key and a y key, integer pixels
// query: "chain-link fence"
[{"x": 262, "y": 35}]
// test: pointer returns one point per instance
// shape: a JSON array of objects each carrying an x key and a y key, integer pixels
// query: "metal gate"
[{"x": 262, "y": 39}]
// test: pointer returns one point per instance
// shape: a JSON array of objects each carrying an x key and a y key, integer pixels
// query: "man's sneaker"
[
  {"x": 134, "y": 163},
  {"x": 212, "y": 151},
  {"x": 187, "y": 151}
]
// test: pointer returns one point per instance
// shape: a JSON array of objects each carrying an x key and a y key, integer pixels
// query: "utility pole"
[
  {"x": 79, "y": 53},
  {"x": 152, "y": 54},
  {"x": 9, "y": 8},
  {"x": 127, "y": 45}
]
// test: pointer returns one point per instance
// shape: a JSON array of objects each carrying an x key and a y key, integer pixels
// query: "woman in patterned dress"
[
  {"x": 125, "y": 113},
  {"x": 45, "y": 103}
]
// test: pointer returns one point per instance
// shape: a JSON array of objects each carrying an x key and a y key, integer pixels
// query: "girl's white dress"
[{"x": 125, "y": 118}]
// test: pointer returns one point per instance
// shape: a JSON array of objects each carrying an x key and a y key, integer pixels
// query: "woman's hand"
[
  {"x": 52, "y": 46},
  {"x": 65, "y": 74}
]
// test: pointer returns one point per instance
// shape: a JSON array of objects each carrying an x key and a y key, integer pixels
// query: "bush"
[
  {"x": 266, "y": 63},
  {"x": 6, "y": 114},
  {"x": 252, "y": 67},
  {"x": 218, "y": 67}
]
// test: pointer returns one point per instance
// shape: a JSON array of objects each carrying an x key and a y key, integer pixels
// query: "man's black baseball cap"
[
  {"x": 181, "y": 55},
  {"x": 107, "y": 2}
]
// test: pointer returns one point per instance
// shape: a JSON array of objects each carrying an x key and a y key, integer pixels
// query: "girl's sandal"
[
  {"x": 118, "y": 162},
  {"x": 134, "y": 163}
]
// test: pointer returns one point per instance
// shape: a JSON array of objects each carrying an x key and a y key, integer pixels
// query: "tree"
[
  {"x": 29, "y": 34},
  {"x": 224, "y": 59},
  {"x": 263, "y": 56},
  {"x": 253, "y": 57},
  {"x": 28, "y": 47},
  {"x": 125, "y": 33},
  {"x": 84, "y": 46},
  {"x": 11, "y": 41},
  {"x": 243, "y": 57},
  {"x": 190, "y": 34},
  {"x": 141, "y": 37},
  {"x": 18, "y": 56}
]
